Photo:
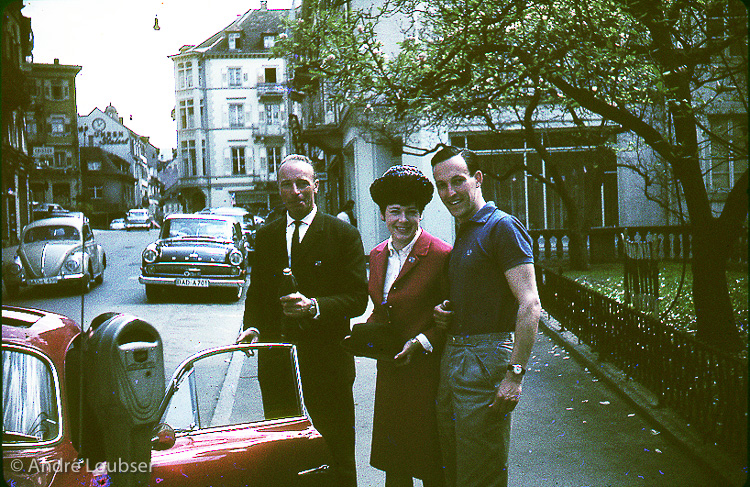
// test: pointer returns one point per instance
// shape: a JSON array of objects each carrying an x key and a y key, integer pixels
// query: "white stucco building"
[{"x": 232, "y": 115}]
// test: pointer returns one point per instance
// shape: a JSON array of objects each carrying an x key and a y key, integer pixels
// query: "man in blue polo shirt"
[{"x": 491, "y": 320}]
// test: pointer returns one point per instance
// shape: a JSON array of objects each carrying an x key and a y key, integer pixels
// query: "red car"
[{"x": 215, "y": 427}]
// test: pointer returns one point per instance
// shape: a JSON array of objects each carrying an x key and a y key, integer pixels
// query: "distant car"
[
  {"x": 195, "y": 250},
  {"x": 40, "y": 211},
  {"x": 51, "y": 252},
  {"x": 213, "y": 430},
  {"x": 138, "y": 218},
  {"x": 117, "y": 224}
]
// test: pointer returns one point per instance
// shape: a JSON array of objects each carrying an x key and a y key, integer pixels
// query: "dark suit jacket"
[{"x": 330, "y": 268}]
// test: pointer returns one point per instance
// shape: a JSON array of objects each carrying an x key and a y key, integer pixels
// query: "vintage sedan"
[
  {"x": 52, "y": 252},
  {"x": 138, "y": 218},
  {"x": 195, "y": 251},
  {"x": 211, "y": 424}
]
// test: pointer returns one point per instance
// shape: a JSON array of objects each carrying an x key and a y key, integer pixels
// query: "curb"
[{"x": 663, "y": 419}]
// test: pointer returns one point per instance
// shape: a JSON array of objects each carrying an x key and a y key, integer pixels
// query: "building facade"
[
  {"x": 232, "y": 114},
  {"x": 17, "y": 44},
  {"x": 107, "y": 130},
  {"x": 108, "y": 185},
  {"x": 51, "y": 127}
]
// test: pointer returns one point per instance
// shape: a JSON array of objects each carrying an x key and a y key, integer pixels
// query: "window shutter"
[
  {"x": 224, "y": 78},
  {"x": 248, "y": 115},
  {"x": 244, "y": 78},
  {"x": 225, "y": 116},
  {"x": 227, "y": 161},
  {"x": 66, "y": 90},
  {"x": 261, "y": 115}
]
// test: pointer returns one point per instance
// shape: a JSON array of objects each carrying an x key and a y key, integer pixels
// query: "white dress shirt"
[{"x": 396, "y": 261}]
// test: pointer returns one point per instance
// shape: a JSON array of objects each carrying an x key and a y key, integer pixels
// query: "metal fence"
[{"x": 706, "y": 386}]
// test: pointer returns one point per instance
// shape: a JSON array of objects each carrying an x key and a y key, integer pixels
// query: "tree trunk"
[{"x": 713, "y": 308}]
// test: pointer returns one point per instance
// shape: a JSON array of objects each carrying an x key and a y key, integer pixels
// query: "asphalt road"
[{"x": 570, "y": 430}]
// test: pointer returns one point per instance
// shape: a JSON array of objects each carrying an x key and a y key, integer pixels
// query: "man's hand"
[
  {"x": 507, "y": 396},
  {"x": 404, "y": 356},
  {"x": 442, "y": 315},
  {"x": 296, "y": 305},
  {"x": 251, "y": 335}
]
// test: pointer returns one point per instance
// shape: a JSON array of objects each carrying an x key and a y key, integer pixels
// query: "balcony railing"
[{"x": 270, "y": 89}]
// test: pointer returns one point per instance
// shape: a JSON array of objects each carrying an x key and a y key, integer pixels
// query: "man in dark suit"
[{"x": 327, "y": 258}]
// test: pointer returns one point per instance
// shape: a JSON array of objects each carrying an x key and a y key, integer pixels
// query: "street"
[{"x": 569, "y": 429}]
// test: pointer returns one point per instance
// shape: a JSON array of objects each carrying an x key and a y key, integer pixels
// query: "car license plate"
[
  {"x": 44, "y": 280},
  {"x": 191, "y": 282}
]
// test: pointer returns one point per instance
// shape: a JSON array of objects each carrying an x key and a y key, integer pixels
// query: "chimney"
[{"x": 263, "y": 4}]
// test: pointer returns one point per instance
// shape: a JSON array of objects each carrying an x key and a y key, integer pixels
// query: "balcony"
[
  {"x": 268, "y": 91},
  {"x": 265, "y": 130}
]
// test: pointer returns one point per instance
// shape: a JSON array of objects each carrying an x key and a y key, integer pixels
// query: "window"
[
  {"x": 269, "y": 40},
  {"x": 236, "y": 115},
  {"x": 30, "y": 393},
  {"x": 270, "y": 75},
  {"x": 728, "y": 151},
  {"x": 95, "y": 166},
  {"x": 57, "y": 125},
  {"x": 61, "y": 159},
  {"x": 185, "y": 75},
  {"x": 273, "y": 158},
  {"x": 57, "y": 89},
  {"x": 235, "y": 77},
  {"x": 31, "y": 127},
  {"x": 96, "y": 192},
  {"x": 234, "y": 40},
  {"x": 238, "y": 160},
  {"x": 189, "y": 157},
  {"x": 272, "y": 114},
  {"x": 187, "y": 114}
]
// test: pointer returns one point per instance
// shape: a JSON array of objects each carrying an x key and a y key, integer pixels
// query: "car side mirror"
[{"x": 163, "y": 437}]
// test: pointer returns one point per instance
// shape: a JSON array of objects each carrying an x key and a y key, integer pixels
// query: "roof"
[
  {"x": 44, "y": 331},
  {"x": 253, "y": 24},
  {"x": 200, "y": 216},
  {"x": 73, "y": 219}
]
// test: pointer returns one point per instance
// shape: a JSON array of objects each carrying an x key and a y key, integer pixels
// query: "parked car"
[
  {"x": 213, "y": 428},
  {"x": 52, "y": 252},
  {"x": 117, "y": 224},
  {"x": 138, "y": 218},
  {"x": 246, "y": 219},
  {"x": 195, "y": 250}
]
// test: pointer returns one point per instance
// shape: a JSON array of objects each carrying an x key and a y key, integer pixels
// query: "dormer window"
[
  {"x": 234, "y": 40},
  {"x": 269, "y": 40}
]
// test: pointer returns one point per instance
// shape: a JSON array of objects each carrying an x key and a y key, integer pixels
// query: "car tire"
[
  {"x": 86, "y": 282},
  {"x": 100, "y": 278},
  {"x": 153, "y": 293}
]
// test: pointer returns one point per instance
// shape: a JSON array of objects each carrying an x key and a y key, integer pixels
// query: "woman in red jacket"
[{"x": 407, "y": 280}]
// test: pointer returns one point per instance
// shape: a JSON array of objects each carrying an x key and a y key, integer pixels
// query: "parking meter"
[{"x": 124, "y": 385}]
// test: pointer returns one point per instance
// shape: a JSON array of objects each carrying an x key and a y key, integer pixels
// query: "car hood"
[
  {"x": 195, "y": 250},
  {"x": 45, "y": 259}
]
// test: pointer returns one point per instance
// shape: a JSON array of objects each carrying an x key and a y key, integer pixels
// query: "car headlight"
[
  {"x": 72, "y": 264},
  {"x": 150, "y": 255},
  {"x": 235, "y": 257}
]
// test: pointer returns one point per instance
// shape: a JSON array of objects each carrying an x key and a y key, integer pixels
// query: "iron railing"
[
  {"x": 704, "y": 385},
  {"x": 606, "y": 244}
]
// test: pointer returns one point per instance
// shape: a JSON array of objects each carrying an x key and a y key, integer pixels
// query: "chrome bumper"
[{"x": 171, "y": 281}]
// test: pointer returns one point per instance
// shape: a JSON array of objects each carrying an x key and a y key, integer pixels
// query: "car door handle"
[{"x": 314, "y": 471}]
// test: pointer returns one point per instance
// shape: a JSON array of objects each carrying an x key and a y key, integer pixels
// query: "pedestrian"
[
  {"x": 347, "y": 213},
  {"x": 407, "y": 280},
  {"x": 328, "y": 263},
  {"x": 491, "y": 321}
]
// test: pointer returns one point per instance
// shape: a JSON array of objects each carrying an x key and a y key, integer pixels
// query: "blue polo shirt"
[{"x": 487, "y": 245}]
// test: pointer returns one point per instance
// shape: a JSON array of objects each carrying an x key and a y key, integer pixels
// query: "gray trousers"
[{"x": 474, "y": 439}]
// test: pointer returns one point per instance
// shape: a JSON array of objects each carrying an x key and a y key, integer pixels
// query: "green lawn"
[{"x": 608, "y": 279}]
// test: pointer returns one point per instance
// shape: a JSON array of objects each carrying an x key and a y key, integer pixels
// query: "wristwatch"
[
  {"x": 313, "y": 307},
  {"x": 517, "y": 369}
]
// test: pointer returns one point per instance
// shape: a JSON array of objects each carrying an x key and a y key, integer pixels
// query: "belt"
[{"x": 473, "y": 340}]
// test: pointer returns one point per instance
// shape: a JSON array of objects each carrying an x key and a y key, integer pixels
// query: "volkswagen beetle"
[{"x": 52, "y": 252}]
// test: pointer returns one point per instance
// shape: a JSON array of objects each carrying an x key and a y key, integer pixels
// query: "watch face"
[{"x": 98, "y": 124}]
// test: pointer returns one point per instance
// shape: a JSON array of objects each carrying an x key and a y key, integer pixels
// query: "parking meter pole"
[{"x": 125, "y": 384}]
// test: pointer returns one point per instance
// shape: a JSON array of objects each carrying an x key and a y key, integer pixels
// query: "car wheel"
[
  {"x": 100, "y": 278},
  {"x": 86, "y": 282},
  {"x": 153, "y": 293}
]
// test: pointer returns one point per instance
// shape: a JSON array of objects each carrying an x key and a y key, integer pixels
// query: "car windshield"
[
  {"x": 193, "y": 227},
  {"x": 51, "y": 232},
  {"x": 30, "y": 411}
]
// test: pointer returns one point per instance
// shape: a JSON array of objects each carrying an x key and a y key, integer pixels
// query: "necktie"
[{"x": 295, "y": 240}]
